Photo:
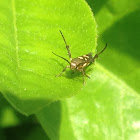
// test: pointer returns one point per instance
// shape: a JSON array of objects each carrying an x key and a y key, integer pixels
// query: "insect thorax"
[{"x": 81, "y": 62}]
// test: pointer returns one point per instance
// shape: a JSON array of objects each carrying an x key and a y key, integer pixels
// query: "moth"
[{"x": 78, "y": 63}]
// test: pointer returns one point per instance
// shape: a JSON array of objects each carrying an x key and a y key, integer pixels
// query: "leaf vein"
[{"x": 15, "y": 32}]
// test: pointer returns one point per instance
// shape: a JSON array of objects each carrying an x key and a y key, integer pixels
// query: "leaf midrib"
[{"x": 15, "y": 33}]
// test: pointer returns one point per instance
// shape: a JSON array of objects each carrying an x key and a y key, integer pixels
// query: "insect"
[{"x": 78, "y": 63}]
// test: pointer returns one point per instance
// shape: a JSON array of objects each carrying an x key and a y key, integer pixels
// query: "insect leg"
[
  {"x": 67, "y": 47},
  {"x": 85, "y": 74},
  {"x": 62, "y": 71},
  {"x": 83, "y": 77}
]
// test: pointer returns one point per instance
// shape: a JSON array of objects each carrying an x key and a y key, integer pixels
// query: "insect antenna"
[
  {"x": 96, "y": 56},
  {"x": 67, "y": 46},
  {"x": 63, "y": 38},
  {"x": 61, "y": 57},
  {"x": 102, "y": 50}
]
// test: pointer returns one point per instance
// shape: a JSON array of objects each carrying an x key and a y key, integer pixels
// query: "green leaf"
[
  {"x": 29, "y": 32},
  {"x": 106, "y": 109},
  {"x": 8, "y": 116},
  {"x": 25, "y": 131},
  {"x": 36, "y": 134},
  {"x": 118, "y": 26},
  {"x": 109, "y": 105}
]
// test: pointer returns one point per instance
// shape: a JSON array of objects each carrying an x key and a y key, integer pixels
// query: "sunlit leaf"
[{"x": 29, "y": 32}]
